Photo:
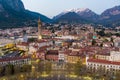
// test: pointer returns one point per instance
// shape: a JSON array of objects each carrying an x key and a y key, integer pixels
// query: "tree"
[
  {"x": 41, "y": 67},
  {"x": 1, "y": 70},
  {"x": 16, "y": 69},
  {"x": 117, "y": 34},
  {"x": 70, "y": 29},
  {"x": 101, "y": 45},
  {"x": 45, "y": 66},
  {"x": 93, "y": 42},
  {"x": 117, "y": 75},
  {"x": 9, "y": 69},
  {"x": 112, "y": 40},
  {"x": 101, "y": 33},
  {"x": 69, "y": 67},
  {"x": 52, "y": 30},
  {"x": 96, "y": 77},
  {"x": 79, "y": 68},
  {"x": 31, "y": 40},
  {"x": 26, "y": 68},
  {"x": 48, "y": 67},
  {"x": 108, "y": 34},
  {"x": 105, "y": 40}
]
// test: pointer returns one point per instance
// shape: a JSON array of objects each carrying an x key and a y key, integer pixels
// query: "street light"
[
  {"x": 22, "y": 77},
  {"x": 66, "y": 76},
  {"x": 44, "y": 68},
  {"x": 58, "y": 76},
  {"x": 113, "y": 78}
]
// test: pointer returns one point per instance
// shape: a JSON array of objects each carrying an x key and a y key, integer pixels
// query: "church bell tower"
[{"x": 39, "y": 29}]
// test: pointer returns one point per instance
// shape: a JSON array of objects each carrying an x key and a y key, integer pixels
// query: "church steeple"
[
  {"x": 25, "y": 39},
  {"x": 39, "y": 29}
]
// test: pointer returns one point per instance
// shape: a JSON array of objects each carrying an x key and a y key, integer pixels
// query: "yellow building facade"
[{"x": 73, "y": 58}]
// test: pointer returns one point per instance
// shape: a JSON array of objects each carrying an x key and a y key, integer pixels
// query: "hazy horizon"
[{"x": 54, "y": 7}]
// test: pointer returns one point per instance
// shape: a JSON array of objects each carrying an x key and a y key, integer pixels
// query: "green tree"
[
  {"x": 117, "y": 75},
  {"x": 16, "y": 69},
  {"x": 9, "y": 69},
  {"x": 31, "y": 40},
  {"x": 1, "y": 70},
  {"x": 108, "y": 34},
  {"x": 45, "y": 66},
  {"x": 112, "y": 40},
  {"x": 101, "y": 45},
  {"x": 101, "y": 33},
  {"x": 26, "y": 68},
  {"x": 93, "y": 42},
  {"x": 41, "y": 67},
  {"x": 117, "y": 34},
  {"x": 48, "y": 67},
  {"x": 69, "y": 67},
  {"x": 105, "y": 40},
  {"x": 79, "y": 68},
  {"x": 52, "y": 30}
]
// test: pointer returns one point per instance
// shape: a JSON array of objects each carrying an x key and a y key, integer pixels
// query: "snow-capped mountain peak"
[
  {"x": 84, "y": 12},
  {"x": 76, "y": 10},
  {"x": 79, "y": 10}
]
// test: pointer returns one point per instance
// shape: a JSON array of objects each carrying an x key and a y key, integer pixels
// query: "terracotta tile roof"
[
  {"x": 36, "y": 46},
  {"x": 41, "y": 41},
  {"x": 105, "y": 54},
  {"x": 74, "y": 53},
  {"x": 23, "y": 44},
  {"x": 45, "y": 47},
  {"x": 103, "y": 61},
  {"x": 46, "y": 32},
  {"x": 40, "y": 50},
  {"x": 52, "y": 52},
  {"x": 67, "y": 51}
]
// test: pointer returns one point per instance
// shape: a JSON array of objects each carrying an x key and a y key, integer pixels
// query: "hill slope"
[
  {"x": 111, "y": 17},
  {"x": 13, "y": 14},
  {"x": 71, "y": 17}
]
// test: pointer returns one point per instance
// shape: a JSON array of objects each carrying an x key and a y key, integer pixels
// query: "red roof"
[
  {"x": 52, "y": 52},
  {"x": 35, "y": 46},
  {"x": 103, "y": 61},
  {"x": 74, "y": 53},
  {"x": 43, "y": 40},
  {"x": 67, "y": 51},
  {"x": 23, "y": 44},
  {"x": 40, "y": 50}
]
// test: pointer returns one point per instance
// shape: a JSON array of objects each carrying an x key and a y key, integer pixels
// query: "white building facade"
[
  {"x": 95, "y": 64},
  {"x": 15, "y": 61}
]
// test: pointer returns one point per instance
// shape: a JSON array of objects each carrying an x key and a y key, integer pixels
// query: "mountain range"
[
  {"x": 13, "y": 14},
  {"x": 110, "y": 17},
  {"x": 84, "y": 13}
]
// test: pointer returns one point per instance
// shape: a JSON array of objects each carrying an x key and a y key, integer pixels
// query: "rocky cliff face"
[
  {"x": 16, "y": 5},
  {"x": 1, "y": 8},
  {"x": 13, "y": 14}
]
